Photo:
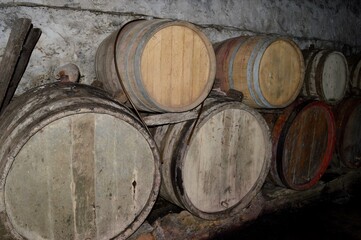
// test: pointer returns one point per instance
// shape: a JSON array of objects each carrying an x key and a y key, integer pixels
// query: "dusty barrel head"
[
  {"x": 215, "y": 169},
  {"x": 74, "y": 165}
]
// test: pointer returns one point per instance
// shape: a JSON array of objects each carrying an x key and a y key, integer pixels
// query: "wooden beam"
[{"x": 28, "y": 47}]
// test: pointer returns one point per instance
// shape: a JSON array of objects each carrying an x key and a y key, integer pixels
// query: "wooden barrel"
[
  {"x": 166, "y": 66},
  {"x": 348, "y": 144},
  {"x": 354, "y": 65},
  {"x": 215, "y": 170},
  {"x": 268, "y": 71},
  {"x": 74, "y": 165},
  {"x": 326, "y": 76},
  {"x": 303, "y": 139}
]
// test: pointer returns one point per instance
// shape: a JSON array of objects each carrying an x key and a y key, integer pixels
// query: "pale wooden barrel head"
[
  {"x": 224, "y": 161},
  {"x": 281, "y": 72},
  {"x": 334, "y": 76},
  {"x": 83, "y": 176},
  {"x": 177, "y": 66}
]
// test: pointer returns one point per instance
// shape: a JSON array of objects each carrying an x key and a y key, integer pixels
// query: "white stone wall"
[{"x": 73, "y": 29}]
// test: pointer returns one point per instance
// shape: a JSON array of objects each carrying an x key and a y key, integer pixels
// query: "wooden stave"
[
  {"x": 258, "y": 45},
  {"x": 172, "y": 141},
  {"x": 343, "y": 112},
  {"x": 131, "y": 40},
  {"x": 82, "y": 99},
  {"x": 279, "y": 124},
  {"x": 105, "y": 63},
  {"x": 309, "y": 89},
  {"x": 313, "y": 78},
  {"x": 237, "y": 44},
  {"x": 224, "y": 54}
]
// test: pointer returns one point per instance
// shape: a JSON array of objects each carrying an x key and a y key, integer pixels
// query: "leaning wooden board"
[{"x": 22, "y": 40}]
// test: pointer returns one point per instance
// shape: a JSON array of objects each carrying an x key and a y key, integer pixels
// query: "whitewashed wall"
[{"x": 73, "y": 29}]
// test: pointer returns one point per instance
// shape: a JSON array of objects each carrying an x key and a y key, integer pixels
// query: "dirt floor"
[{"x": 334, "y": 218}]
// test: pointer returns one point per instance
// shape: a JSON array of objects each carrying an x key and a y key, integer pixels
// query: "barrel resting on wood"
[
  {"x": 215, "y": 168},
  {"x": 268, "y": 71},
  {"x": 163, "y": 65}
]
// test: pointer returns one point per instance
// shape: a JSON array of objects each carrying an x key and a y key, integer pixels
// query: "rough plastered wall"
[{"x": 73, "y": 29}]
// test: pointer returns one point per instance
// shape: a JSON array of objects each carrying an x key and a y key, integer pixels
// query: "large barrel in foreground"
[
  {"x": 303, "y": 139},
  {"x": 217, "y": 169},
  {"x": 165, "y": 66},
  {"x": 326, "y": 76},
  {"x": 74, "y": 165},
  {"x": 348, "y": 144},
  {"x": 268, "y": 71}
]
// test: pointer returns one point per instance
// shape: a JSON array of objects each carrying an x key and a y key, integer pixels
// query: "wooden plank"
[
  {"x": 167, "y": 118},
  {"x": 177, "y": 117},
  {"x": 12, "y": 53},
  {"x": 27, "y": 49},
  {"x": 235, "y": 94},
  {"x": 83, "y": 176}
]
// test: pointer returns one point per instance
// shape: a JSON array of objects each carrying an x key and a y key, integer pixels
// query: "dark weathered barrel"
[
  {"x": 74, "y": 165},
  {"x": 166, "y": 66},
  {"x": 303, "y": 139},
  {"x": 268, "y": 71},
  {"x": 354, "y": 65},
  {"x": 216, "y": 169},
  {"x": 326, "y": 76},
  {"x": 348, "y": 144}
]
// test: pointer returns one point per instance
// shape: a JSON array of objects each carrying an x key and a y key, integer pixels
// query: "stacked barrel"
[
  {"x": 348, "y": 117},
  {"x": 213, "y": 165},
  {"x": 267, "y": 70},
  {"x": 164, "y": 66},
  {"x": 271, "y": 73},
  {"x": 97, "y": 167}
]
